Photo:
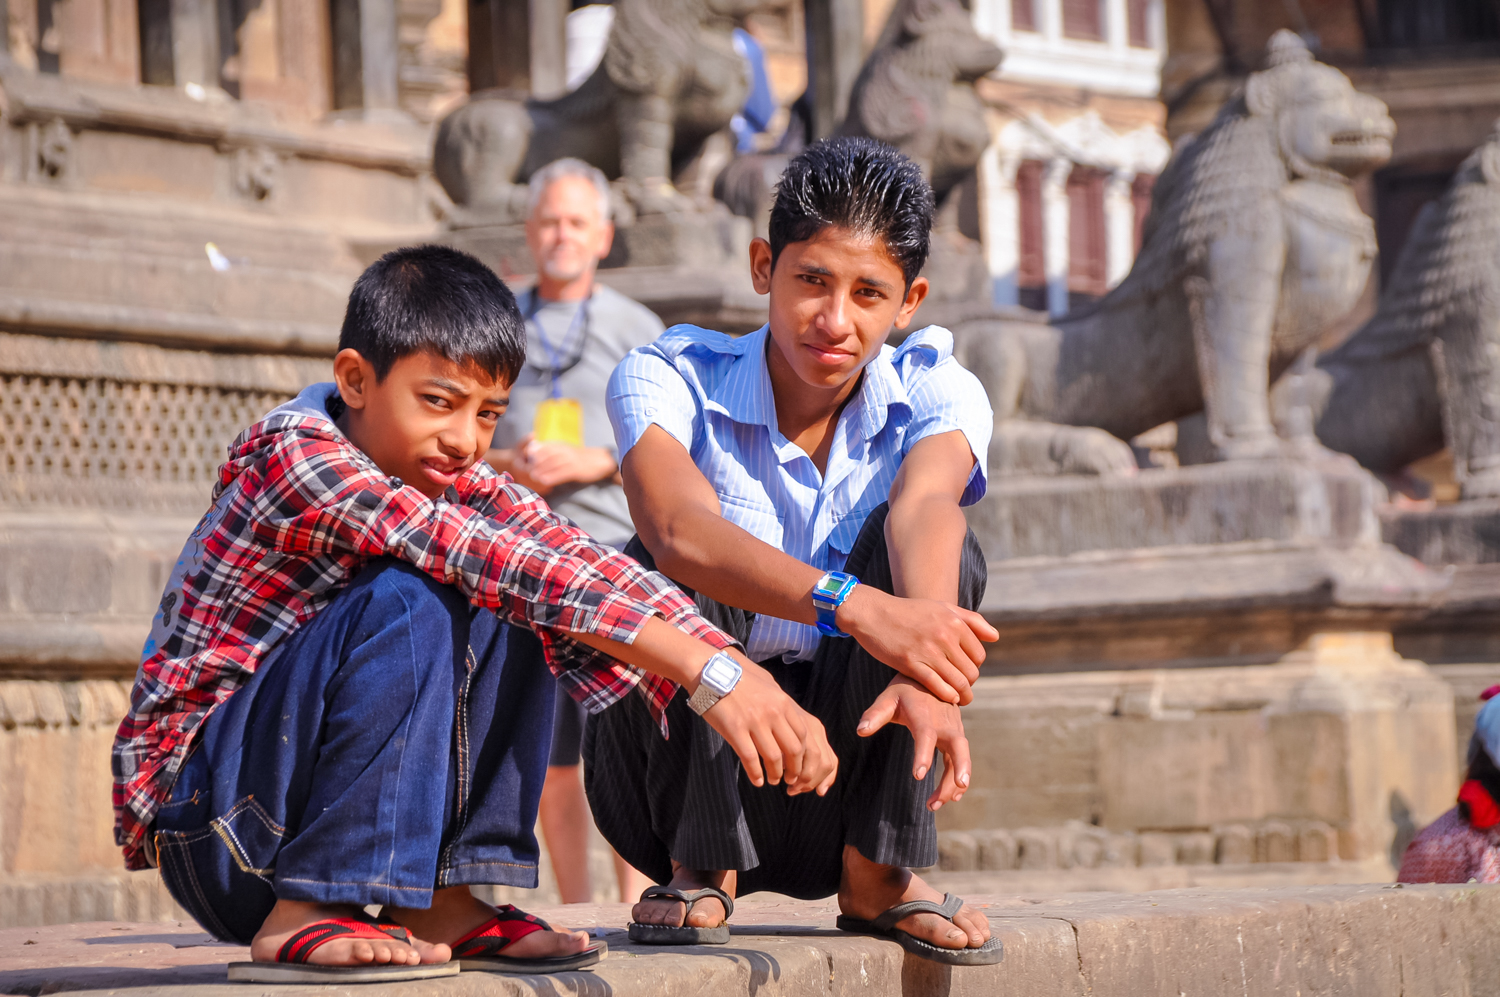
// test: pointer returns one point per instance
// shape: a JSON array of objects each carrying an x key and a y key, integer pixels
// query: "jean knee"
[{"x": 422, "y": 594}]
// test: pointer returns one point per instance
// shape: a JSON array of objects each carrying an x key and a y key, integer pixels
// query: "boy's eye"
[{"x": 437, "y": 400}]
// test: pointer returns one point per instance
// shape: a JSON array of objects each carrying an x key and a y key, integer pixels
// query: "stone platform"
[{"x": 1365, "y": 940}]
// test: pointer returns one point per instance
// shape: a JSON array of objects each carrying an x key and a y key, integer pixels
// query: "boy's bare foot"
[
  {"x": 290, "y": 916},
  {"x": 706, "y": 913},
  {"x": 455, "y": 912},
  {"x": 868, "y": 889}
]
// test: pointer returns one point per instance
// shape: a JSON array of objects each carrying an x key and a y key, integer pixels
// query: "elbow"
[{"x": 674, "y": 557}]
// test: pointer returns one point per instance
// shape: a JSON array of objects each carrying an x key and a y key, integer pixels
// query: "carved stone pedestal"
[{"x": 1206, "y": 651}]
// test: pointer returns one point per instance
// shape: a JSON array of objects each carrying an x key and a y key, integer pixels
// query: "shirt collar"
[{"x": 745, "y": 395}]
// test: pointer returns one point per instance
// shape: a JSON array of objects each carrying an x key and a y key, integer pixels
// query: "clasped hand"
[
  {"x": 934, "y": 643},
  {"x": 762, "y": 724}
]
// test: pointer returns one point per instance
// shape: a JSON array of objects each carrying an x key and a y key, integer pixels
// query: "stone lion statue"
[
  {"x": 670, "y": 78},
  {"x": 1253, "y": 245},
  {"x": 915, "y": 92},
  {"x": 1424, "y": 372}
]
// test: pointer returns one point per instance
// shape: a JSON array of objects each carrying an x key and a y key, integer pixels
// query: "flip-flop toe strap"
[
  {"x": 301, "y": 945},
  {"x": 690, "y": 897},
  {"x": 510, "y": 924},
  {"x": 886, "y": 921}
]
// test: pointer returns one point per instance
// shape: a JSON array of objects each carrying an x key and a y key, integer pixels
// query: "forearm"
[
  {"x": 925, "y": 538},
  {"x": 711, "y": 555},
  {"x": 659, "y": 648}
]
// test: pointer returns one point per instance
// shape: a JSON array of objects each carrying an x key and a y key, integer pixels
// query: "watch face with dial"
[
  {"x": 721, "y": 673},
  {"x": 834, "y": 586}
]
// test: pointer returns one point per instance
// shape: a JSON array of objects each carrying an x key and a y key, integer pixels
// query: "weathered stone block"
[
  {"x": 997, "y": 850},
  {"x": 1317, "y": 842},
  {"x": 1275, "y": 842},
  {"x": 1037, "y": 849},
  {"x": 1157, "y": 849},
  {"x": 1196, "y": 848},
  {"x": 1189, "y": 772},
  {"x": 1235, "y": 845},
  {"x": 957, "y": 852}
]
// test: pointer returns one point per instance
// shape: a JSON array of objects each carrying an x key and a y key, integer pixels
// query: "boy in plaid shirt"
[{"x": 343, "y": 702}]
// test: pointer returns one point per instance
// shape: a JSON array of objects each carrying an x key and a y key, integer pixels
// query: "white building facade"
[{"x": 1079, "y": 139}]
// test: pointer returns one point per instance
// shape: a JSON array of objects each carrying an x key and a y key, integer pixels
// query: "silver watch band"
[{"x": 704, "y": 698}]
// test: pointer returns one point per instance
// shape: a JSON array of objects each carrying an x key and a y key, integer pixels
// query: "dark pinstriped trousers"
[{"x": 687, "y": 798}]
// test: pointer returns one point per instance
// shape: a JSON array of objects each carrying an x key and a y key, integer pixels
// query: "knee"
[{"x": 421, "y": 595}]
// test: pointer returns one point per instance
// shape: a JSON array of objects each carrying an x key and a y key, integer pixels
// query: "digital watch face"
[
  {"x": 833, "y": 585},
  {"x": 721, "y": 672}
]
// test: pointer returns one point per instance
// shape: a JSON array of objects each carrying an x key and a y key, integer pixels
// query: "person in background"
[
  {"x": 556, "y": 439},
  {"x": 1463, "y": 845}
]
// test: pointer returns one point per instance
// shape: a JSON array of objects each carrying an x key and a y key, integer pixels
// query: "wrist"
[{"x": 851, "y": 615}]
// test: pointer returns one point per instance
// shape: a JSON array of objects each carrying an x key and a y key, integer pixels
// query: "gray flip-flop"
[
  {"x": 884, "y": 926},
  {"x": 663, "y": 934}
]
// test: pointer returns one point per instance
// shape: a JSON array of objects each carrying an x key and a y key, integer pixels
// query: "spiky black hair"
[{"x": 861, "y": 185}]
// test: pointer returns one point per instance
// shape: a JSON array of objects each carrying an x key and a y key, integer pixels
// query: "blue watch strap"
[{"x": 828, "y": 595}]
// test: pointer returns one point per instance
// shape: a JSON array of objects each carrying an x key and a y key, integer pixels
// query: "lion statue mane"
[
  {"x": 1253, "y": 245},
  {"x": 1424, "y": 372}
]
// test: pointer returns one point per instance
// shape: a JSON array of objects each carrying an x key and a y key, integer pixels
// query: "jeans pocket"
[{"x": 223, "y": 874}]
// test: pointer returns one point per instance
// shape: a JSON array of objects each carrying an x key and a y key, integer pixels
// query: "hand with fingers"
[
  {"x": 934, "y": 725},
  {"x": 935, "y": 644},
  {"x": 776, "y": 740}
]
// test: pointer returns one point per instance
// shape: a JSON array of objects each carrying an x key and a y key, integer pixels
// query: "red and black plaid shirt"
[{"x": 297, "y": 511}]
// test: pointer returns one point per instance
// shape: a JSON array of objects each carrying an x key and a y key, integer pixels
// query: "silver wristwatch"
[{"x": 719, "y": 676}]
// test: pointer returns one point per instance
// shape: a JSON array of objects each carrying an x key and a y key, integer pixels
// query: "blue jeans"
[{"x": 395, "y": 744}]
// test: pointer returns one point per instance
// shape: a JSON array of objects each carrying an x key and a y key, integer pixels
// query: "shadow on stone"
[
  {"x": 112, "y": 978},
  {"x": 925, "y": 978}
]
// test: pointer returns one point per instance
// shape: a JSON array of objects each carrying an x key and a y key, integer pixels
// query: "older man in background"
[{"x": 556, "y": 439}]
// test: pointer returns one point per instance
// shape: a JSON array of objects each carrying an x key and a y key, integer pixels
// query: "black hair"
[
  {"x": 859, "y": 184},
  {"x": 434, "y": 298}
]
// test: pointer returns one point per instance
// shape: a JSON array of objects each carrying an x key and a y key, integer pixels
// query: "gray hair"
[{"x": 570, "y": 167}]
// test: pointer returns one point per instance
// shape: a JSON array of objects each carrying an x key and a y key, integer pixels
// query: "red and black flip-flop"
[
  {"x": 480, "y": 949},
  {"x": 291, "y": 964}
]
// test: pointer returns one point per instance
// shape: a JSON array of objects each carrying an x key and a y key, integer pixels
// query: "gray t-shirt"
[{"x": 612, "y": 326}]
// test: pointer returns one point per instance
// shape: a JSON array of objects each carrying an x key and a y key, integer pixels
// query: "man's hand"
[
  {"x": 553, "y": 463},
  {"x": 933, "y": 725},
  {"x": 934, "y": 643},
  {"x": 763, "y": 724},
  {"x": 543, "y": 466}
]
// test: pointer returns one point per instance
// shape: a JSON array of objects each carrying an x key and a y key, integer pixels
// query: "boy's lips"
[
  {"x": 442, "y": 471},
  {"x": 828, "y": 355}
]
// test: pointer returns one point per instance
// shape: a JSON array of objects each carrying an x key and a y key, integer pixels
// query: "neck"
[
  {"x": 799, "y": 405},
  {"x": 552, "y": 289}
]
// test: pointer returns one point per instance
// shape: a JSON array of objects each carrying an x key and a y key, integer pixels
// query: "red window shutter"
[
  {"x": 1023, "y": 15},
  {"x": 1031, "y": 270},
  {"x": 1082, "y": 19},
  {"x": 1139, "y": 30},
  {"x": 1140, "y": 198},
  {"x": 1086, "y": 236}
]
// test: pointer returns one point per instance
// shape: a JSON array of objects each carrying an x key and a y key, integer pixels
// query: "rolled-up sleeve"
[
  {"x": 948, "y": 397},
  {"x": 645, "y": 390}
]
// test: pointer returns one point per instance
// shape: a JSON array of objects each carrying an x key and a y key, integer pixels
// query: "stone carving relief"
[
  {"x": 54, "y": 150},
  {"x": 256, "y": 171},
  {"x": 127, "y": 426},
  {"x": 917, "y": 92},
  {"x": 1254, "y": 244},
  {"x": 1424, "y": 372},
  {"x": 670, "y": 79}
]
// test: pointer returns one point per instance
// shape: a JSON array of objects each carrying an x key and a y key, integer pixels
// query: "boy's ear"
[
  {"x": 914, "y": 296},
  {"x": 760, "y": 265},
  {"x": 355, "y": 376}
]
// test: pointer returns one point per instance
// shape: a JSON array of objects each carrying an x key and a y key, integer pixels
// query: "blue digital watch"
[{"x": 828, "y": 595}]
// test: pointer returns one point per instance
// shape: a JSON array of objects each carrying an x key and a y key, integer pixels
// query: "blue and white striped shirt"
[{"x": 712, "y": 392}]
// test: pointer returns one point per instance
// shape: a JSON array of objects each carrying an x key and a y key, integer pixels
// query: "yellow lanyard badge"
[{"x": 558, "y": 420}]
